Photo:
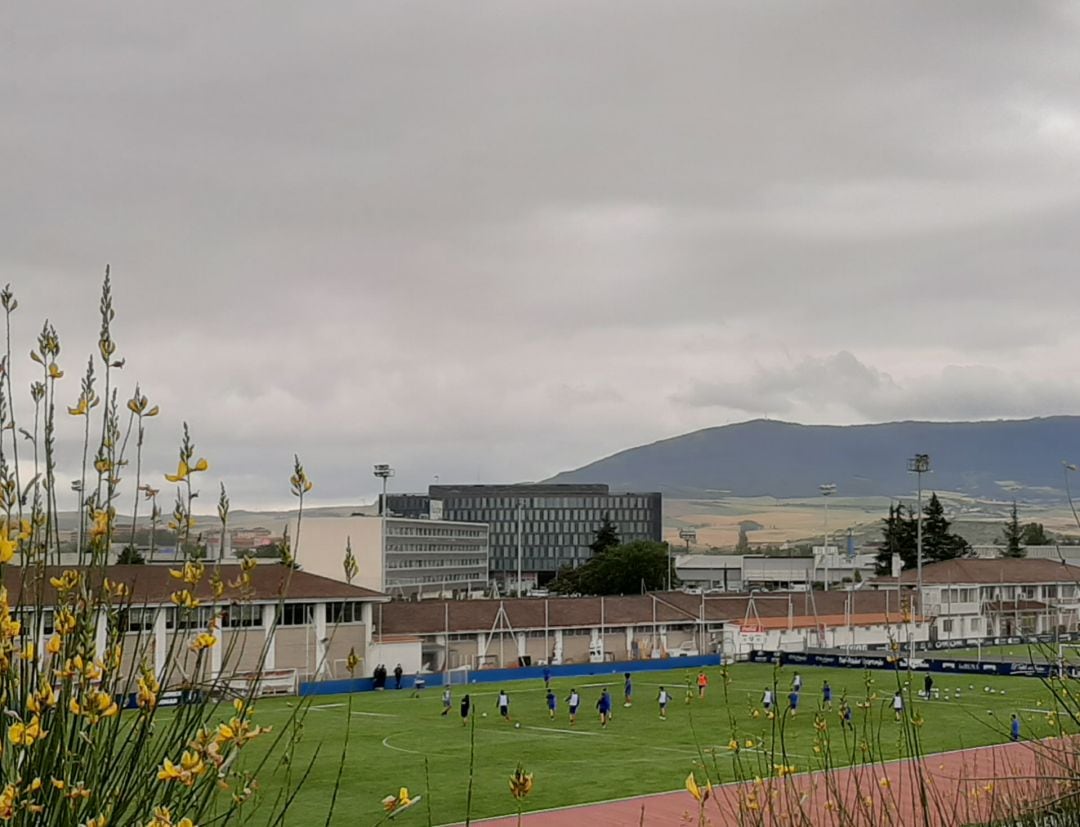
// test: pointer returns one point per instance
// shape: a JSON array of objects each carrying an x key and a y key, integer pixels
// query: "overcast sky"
[{"x": 490, "y": 241}]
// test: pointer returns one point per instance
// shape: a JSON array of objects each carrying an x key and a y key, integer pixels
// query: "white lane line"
[
  {"x": 376, "y": 714},
  {"x": 556, "y": 731},
  {"x": 325, "y": 706}
]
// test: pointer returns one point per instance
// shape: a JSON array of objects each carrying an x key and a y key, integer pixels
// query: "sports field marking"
[
  {"x": 325, "y": 706},
  {"x": 564, "y": 731},
  {"x": 376, "y": 714}
]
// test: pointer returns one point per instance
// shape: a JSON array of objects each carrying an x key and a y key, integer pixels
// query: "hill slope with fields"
[{"x": 1002, "y": 459}]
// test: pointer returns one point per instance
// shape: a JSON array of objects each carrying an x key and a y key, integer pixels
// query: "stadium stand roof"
[{"x": 151, "y": 585}]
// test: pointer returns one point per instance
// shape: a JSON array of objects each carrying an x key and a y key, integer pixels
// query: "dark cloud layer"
[{"x": 491, "y": 241}]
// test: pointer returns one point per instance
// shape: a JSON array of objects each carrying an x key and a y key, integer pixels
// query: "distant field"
[
  {"x": 795, "y": 520},
  {"x": 392, "y": 735}
]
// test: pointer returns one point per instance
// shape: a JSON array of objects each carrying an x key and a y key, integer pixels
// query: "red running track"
[{"x": 973, "y": 786}]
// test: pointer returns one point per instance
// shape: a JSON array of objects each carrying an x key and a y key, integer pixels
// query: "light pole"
[
  {"x": 1066, "y": 467},
  {"x": 383, "y": 472},
  {"x": 919, "y": 465},
  {"x": 520, "y": 510},
  {"x": 827, "y": 489},
  {"x": 688, "y": 536}
]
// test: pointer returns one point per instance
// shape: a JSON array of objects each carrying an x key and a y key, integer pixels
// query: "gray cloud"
[{"x": 495, "y": 241}]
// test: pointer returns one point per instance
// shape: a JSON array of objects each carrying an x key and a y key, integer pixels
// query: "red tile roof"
[
  {"x": 152, "y": 584},
  {"x": 986, "y": 572}
]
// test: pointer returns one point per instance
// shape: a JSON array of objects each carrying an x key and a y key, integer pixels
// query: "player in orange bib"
[{"x": 702, "y": 685}]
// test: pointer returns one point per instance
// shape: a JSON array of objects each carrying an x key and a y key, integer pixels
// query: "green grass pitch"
[{"x": 391, "y": 735}]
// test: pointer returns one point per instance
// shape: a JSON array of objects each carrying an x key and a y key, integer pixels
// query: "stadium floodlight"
[
  {"x": 827, "y": 489},
  {"x": 384, "y": 472},
  {"x": 688, "y": 536},
  {"x": 1066, "y": 467},
  {"x": 919, "y": 465}
]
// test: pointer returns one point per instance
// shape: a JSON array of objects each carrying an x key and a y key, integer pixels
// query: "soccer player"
[
  {"x": 603, "y": 706},
  {"x": 466, "y": 708},
  {"x": 504, "y": 704},
  {"x": 446, "y": 700},
  {"x": 702, "y": 685},
  {"x": 898, "y": 704},
  {"x": 793, "y": 701},
  {"x": 928, "y": 684},
  {"x": 628, "y": 690},
  {"x": 551, "y": 704},
  {"x": 1015, "y": 727},
  {"x": 796, "y": 683},
  {"x": 573, "y": 702},
  {"x": 547, "y": 678},
  {"x": 767, "y": 699},
  {"x": 845, "y": 714},
  {"x": 826, "y": 695},
  {"x": 663, "y": 699}
]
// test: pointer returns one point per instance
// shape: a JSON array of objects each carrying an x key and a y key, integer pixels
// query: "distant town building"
[
  {"x": 423, "y": 558},
  {"x": 555, "y": 523},
  {"x": 740, "y": 572}
]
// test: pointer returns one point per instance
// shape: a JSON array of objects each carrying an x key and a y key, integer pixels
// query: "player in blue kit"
[
  {"x": 551, "y": 703},
  {"x": 603, "y": 706},
  {"x": 628, "y": 691}
]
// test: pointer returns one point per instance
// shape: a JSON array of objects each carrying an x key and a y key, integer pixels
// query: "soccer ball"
[
  {"x": 483, "y": 714},
  {"x": 517, "y": 725},
  {"x": 989, "y": 712}
]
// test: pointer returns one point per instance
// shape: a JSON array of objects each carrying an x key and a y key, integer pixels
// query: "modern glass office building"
[{"x": 555, "y": 523}]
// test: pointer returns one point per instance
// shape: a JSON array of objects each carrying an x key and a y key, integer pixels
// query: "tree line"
[{"x": 899, "y": 535}]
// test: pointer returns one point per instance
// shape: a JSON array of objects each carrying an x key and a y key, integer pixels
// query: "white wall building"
[
  {"x": 990, "y": 598},
  {"x": 735, "y": 572},
  {"x": 424, "y": 558}
]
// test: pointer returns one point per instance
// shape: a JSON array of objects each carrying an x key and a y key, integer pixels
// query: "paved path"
[{"x": 963, "y": 787}]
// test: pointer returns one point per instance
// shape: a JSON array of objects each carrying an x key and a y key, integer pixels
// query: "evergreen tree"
[
  {"x": 1035, "y": 535},
  {"x": 743, "y": 546},
  {"x": 938, "y": 543},
  {"x": 607, "y": 537},
  {"x": 129, "y": 555},
  {"x": 1012, "y": 536},
  {"x": 897, "y": 537}
]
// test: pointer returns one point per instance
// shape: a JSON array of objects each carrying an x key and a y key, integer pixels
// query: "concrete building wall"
[
  {"x": 295, "y": 648},
  {"x": 322, "y": 547}
]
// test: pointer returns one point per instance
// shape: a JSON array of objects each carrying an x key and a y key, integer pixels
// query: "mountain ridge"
[{"x": 999, "y": 458}]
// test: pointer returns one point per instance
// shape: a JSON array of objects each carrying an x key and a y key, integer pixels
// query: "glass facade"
[{"x": 556, "y": 523}]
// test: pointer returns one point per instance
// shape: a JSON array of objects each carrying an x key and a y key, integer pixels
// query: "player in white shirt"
[
  {"x": 796, "y": 683},
  {"x": 767, "y": 699},
  {"x": 898, "y": 704},
  {"x": 504, "y": 705},
  {"x": 573, "y": 701},
  {"x": 663, "y": 699}
]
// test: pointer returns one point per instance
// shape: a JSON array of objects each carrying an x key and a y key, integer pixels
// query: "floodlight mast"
[
  {"x": 383, "y": 472},
  {"x": 688, "y": 536},
  {"x": 1066, "y": 467},
  {"x": 918, "y": 465},
  {"x": 827, "y": 489}
]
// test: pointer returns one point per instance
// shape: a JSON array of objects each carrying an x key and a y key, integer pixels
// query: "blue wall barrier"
[
  {"x": 569, "y": 670},
  {"x": 900, "y": 662}
]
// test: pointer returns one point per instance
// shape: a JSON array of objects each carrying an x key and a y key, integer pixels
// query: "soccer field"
[{"x": 391, "y": 734}]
